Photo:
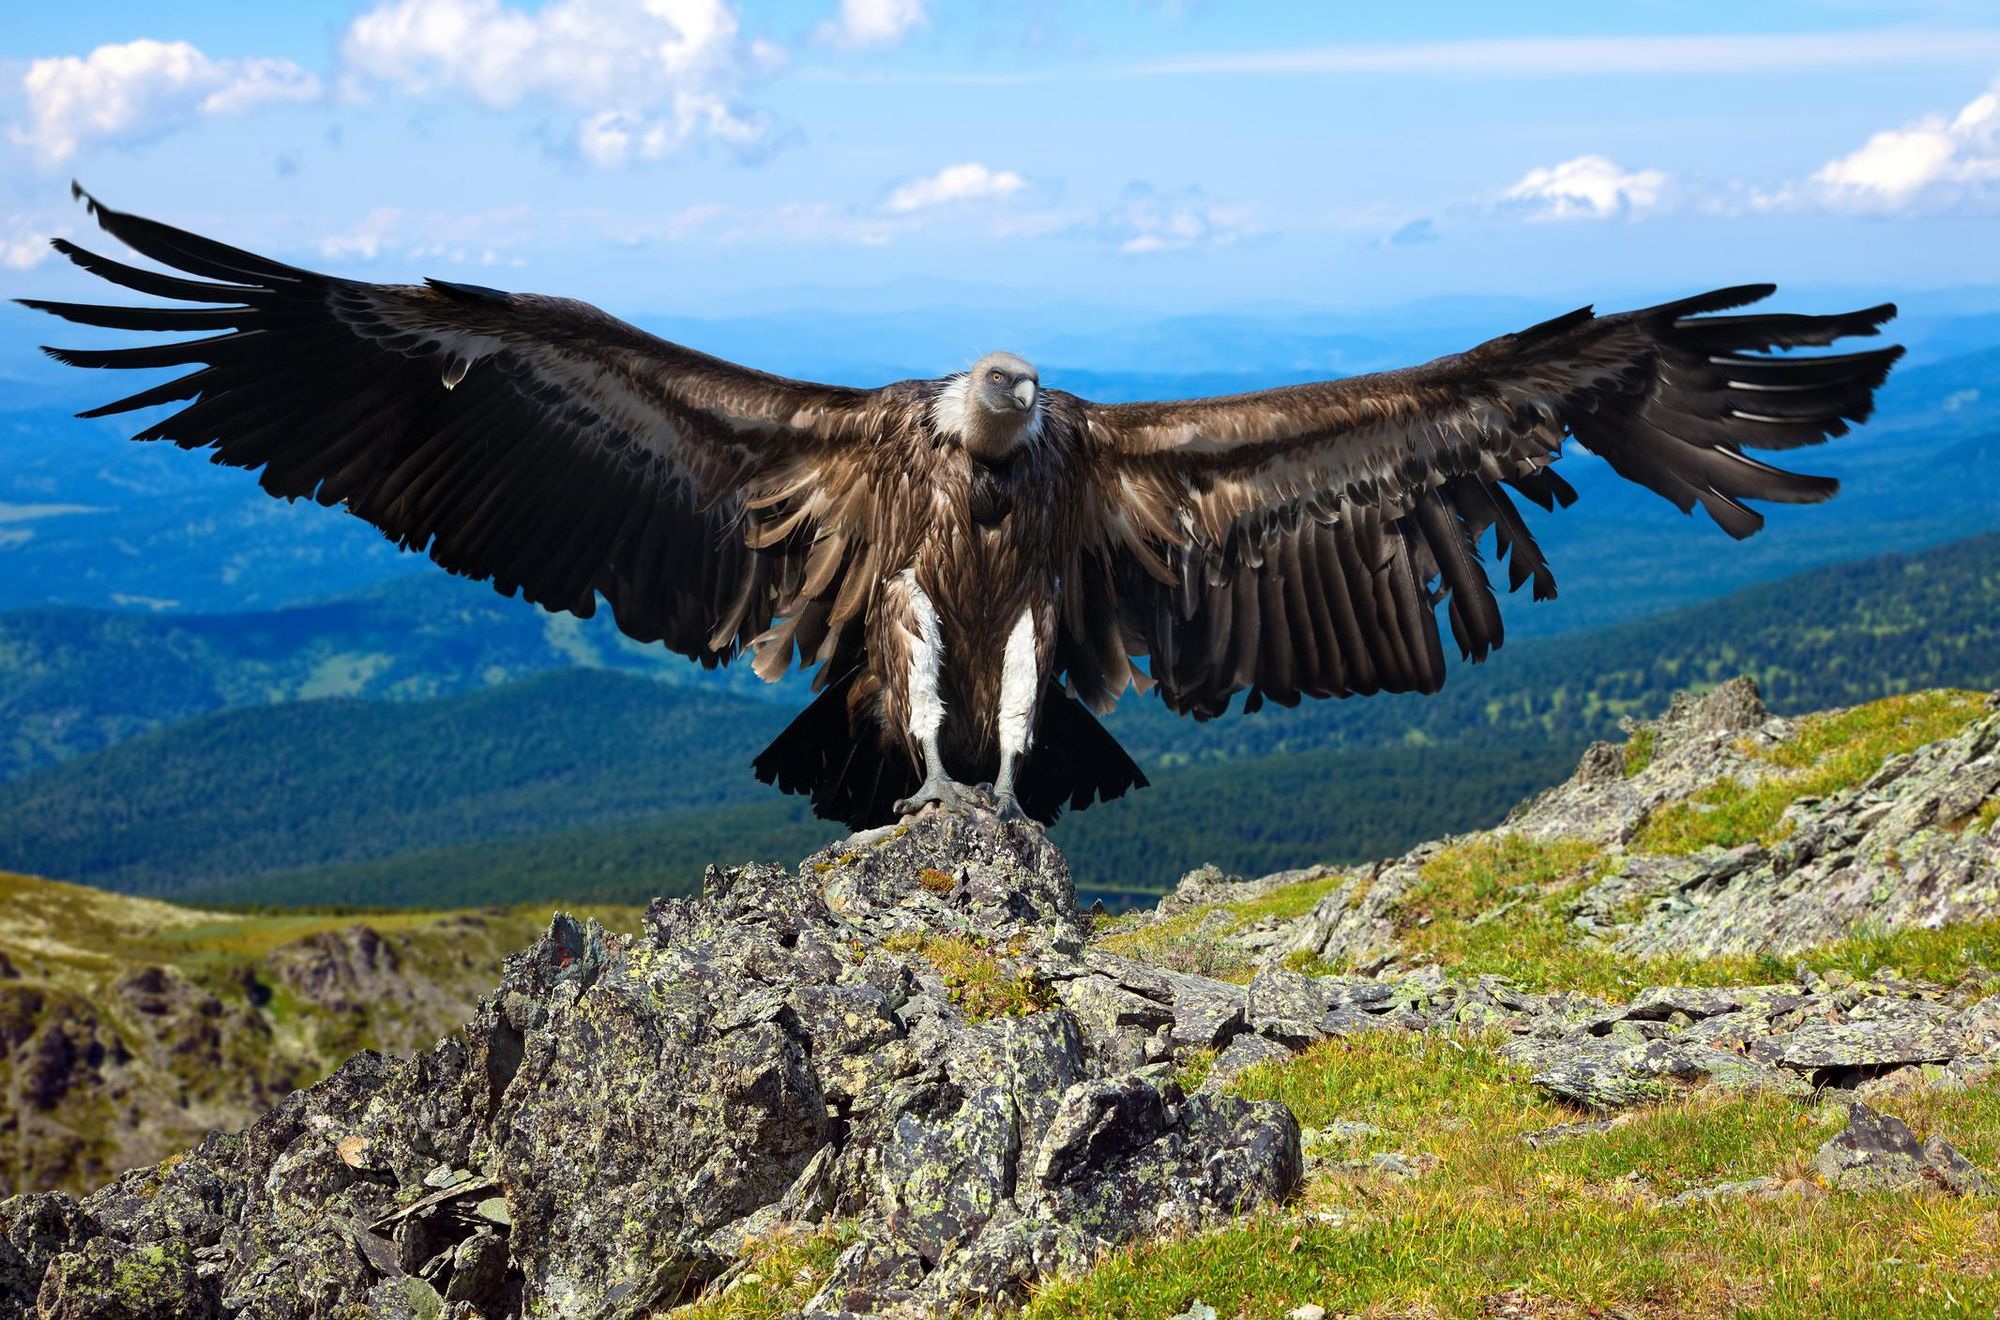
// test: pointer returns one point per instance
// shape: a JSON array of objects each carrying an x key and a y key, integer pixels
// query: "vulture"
[{"x": 977, "y": 566}]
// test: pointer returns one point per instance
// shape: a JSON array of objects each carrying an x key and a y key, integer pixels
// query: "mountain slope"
[
  {"x": 129, "y": 1027},
  {"x": 72, "y": 681},
  {"x": 342, "y": 779}
]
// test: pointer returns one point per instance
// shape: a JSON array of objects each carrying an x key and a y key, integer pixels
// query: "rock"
[
  {"x": 342, "y": 970},
  {"x": 1238, "y": 1057},
  {"x": 1307, "y": 1312},
  {"x": 1836, "y": 1052},
  {"x": 1600, "y": 1079},
  {"x": 1889, "y": 855},
  {"x": 1693, "y": 744},
  {"x": 1878, "y": 1153},
  {"x": 112, "y": 1280},
  {"x": 1749, "y": 1189},
  {"x": 34, "y": 1231},
  {"x": 942, "y": 1065},
  {"x": 1195, "y": 1311}
]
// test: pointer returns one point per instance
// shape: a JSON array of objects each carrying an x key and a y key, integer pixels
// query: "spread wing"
[
  {"x": 1295, "y": 542},
  {"x": 533, "y": 441}
]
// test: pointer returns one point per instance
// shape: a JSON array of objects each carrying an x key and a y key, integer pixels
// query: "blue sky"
[{"x": 708, "y": 158}]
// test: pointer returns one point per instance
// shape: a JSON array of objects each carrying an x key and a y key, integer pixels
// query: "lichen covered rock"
[{"x": 905, "y": 1033}]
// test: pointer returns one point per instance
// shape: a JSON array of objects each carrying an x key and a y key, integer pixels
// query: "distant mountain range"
[
  {"x": 72, "y": 680},
  {"x": 609, "y": 786}
]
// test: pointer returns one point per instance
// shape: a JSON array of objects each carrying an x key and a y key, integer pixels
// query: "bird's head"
[{"x": 1002, "y": 406}]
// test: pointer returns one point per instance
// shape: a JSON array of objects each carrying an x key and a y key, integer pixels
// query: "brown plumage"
[{"x": 974, "y": 564}]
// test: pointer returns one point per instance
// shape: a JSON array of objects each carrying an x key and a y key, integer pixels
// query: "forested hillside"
[{"x": 609, "y": 786}]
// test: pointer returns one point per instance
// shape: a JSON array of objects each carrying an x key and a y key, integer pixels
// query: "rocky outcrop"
[
  {"x": 1878, "y": 1153},
  {"x": 907, "y": 1032},
  {"x": 1868, "y": 1037},
  {"x": 1900, "y": 851},
  {"x": 1893, "y": 854}
]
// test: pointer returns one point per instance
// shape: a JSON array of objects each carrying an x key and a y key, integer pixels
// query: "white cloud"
[
  {"x": 864, "y": 23},
  {"x": 478, "y": 238},
  {"x": 24, "y": 243},
  {"x": 1934, "y": 160},
  {"x": 1585, "y": 188},
  {"x": 969, "y": 182},
  {"x": 365, "y": 241},
  {"x": 648, "y": 77},
  {"x": 140, "y": 90},
  {"x": 1146, "y": 219}
]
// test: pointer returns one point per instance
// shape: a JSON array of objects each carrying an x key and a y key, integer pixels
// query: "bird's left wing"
[
  {"x": 1295, "y": 542},
  {"x": 531, "y": 440}
]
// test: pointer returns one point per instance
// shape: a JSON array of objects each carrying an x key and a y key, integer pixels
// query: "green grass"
[
  {"x": 1828, "y": 754},
  {"x": 1839, "y": 1258},
  {"x": 1639, "y": 751},
  {"x": 980, "y": 981},
  {"x": 1197, "y": 940},
  {"x": 781, "y": 1273},
  {"x": 1427, "y": 1089},
  {"x": 1569, "y": 1226},
  {"x": 1501, "y": 905}
]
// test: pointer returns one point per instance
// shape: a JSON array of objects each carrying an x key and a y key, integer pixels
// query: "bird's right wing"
[
  {"x": 533, "y": 441},
  {"x": 1295, "y": 542}
]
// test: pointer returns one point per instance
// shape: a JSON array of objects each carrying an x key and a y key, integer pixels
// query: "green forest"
[{"x": 593, "y": 785}]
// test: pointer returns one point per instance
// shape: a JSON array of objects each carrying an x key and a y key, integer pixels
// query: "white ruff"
[
  {"x": 952, "y": 405},
  {"x": 1019, "y": 682},
  {"x": 926, "y": 655}
]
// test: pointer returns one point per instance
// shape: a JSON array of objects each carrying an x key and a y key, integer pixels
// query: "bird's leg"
[
  {"x": 927, "y": 712},
  {"x": 1020, "y": 685},
  {"x": 938, "y": 786}
]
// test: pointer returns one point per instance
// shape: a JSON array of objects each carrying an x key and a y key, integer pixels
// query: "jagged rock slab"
[
  {"x": 627, "y": 1110},
  {"x": 1793, "y": 1039}
]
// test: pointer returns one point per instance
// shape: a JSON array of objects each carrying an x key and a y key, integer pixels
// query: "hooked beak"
[{"x": 1024, "y": 394}]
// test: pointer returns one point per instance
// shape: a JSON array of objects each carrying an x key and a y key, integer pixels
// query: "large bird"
[{"x": 975, "y": 564}]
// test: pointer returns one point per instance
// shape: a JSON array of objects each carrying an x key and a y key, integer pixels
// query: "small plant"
[
  {"x": 1639, "y": 751},
  {"x": 780, "y": 1273},
  {"x": 938, "y": 882},
  {"x": 1194, "y": 1069},
  {"x": 978, "y": 980}
]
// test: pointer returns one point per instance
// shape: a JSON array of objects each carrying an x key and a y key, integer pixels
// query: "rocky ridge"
[{"x": 915, "y": 1035}]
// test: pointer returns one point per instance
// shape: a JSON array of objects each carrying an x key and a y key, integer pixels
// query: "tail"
[
  {"x": 1074, "y": 762},
  {"x": 851, "y": 778}
]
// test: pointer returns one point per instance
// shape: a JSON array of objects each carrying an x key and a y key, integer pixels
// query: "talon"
[
  {"x": 1008, "y": 807},
  {"x": 936, "y": 792}
]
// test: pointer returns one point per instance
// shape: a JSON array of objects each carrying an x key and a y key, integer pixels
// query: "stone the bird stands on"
[{"x": 974, "y": 564}]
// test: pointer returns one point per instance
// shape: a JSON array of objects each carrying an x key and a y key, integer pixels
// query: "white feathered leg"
[
  {"x": 927, "y": 711},
  {"x": 1020, "y": 681}
]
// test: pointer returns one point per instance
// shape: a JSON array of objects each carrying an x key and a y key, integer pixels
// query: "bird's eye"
[{"x": 997, "y": 377}]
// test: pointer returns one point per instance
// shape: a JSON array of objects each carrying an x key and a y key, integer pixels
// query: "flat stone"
[{"x": 1877, "y": 1152}]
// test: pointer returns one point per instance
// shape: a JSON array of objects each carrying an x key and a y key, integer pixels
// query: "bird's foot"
[
  {"x": 1005, "y": 805},
  {"x": 940, "y": 791}
]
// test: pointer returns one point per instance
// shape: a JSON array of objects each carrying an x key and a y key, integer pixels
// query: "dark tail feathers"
[{"x": 850, "y": 779}]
